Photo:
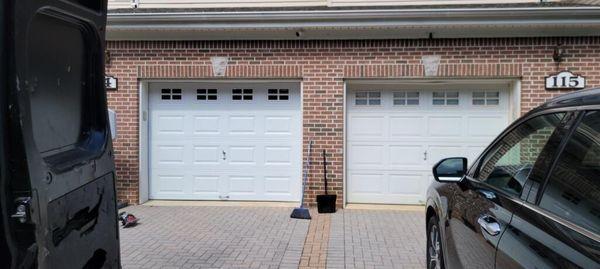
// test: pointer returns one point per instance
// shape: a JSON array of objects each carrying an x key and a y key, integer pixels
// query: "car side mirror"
[{"x": 450, "y": 169}]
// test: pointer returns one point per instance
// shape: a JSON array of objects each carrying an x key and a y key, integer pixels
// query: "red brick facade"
[{"x": 323, "y": 66}]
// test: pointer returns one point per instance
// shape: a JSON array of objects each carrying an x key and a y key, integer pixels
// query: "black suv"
[{"x": 531, "y": 199}]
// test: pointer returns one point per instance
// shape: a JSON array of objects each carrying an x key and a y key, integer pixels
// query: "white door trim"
[{"x": 143, "y": 143}]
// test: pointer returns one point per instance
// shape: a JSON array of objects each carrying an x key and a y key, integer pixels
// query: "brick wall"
[{"x": 323, "y": 66}]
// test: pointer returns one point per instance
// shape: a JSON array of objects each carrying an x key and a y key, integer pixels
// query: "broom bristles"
[{"x": 300, "y": 213}]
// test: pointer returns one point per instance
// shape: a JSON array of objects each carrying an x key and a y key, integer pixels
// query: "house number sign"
[
  {"x": 110, "y": 83},
  {"x": 565, "y": 80}
]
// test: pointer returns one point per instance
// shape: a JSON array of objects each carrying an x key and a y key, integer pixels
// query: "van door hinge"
[{"x": 22, "y": 209}]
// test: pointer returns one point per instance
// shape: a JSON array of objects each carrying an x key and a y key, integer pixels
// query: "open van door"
[{"x": 57, "y": 175}]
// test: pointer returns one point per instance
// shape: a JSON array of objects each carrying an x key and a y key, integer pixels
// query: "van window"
[{"x": 573, "y": 190}]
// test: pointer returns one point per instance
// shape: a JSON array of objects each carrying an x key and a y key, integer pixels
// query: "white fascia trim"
[
  {"x": 357, "y": 23},
  {"x": 376, "y": 17}
]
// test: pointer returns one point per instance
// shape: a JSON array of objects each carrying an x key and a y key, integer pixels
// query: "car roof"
[{"x": 585, "y": 97}]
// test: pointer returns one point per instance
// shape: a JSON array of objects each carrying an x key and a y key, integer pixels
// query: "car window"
[
  {"x": 573, "y": 190},
  {"x": 508, "y": 164}
]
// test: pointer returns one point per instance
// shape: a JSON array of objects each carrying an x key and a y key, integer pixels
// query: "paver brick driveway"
[{"x": 265, "y": 237}]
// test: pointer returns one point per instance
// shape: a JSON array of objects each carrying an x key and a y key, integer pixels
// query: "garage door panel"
[
  {"x": 206, "y": 185},
  {"x": 444, "y": 126},
  {"x": 278, "y": 125},
  {"x": 392, "y": 145},
  {"x": 367, "y": 155},
  {"x": 241, "y": 149},
  {"x": 278, "y": 185},
  {"x": 170, "y": 124},
  {"x": 241, "y": 155},
  {"x": 278, "y": 155},
  {"x": 406, "y": 126},
  {"x": 405, "y": 183},
  {"x": 206, "y": 154},
  {"x": 367, "y": 126},
  {"x": 242, "y": 125},
  {"x": 401, "y": 155},
  {"x": 486, "y": 126},
  {"x": 207, "y": 125},
  {"x": 171, "y": 184},
  {"x": 362, "y": 183},
  {"x": 170, "y": 154},
  {"x": 242, "y": 185}
]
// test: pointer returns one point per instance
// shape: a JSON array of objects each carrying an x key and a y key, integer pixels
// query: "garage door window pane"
[
  {"x": 206, "y": 94},
  {"x": 574, "y": 186},
  {"x": 489, "y": 98},
  {"x": 367, "y": 98},
  {"x": 241, "y": 94},
  {"x": 170, "y": 94},
  {"x": 374, "y": 98},
  {"x": 508, "y": 164},
  {"x": 278, "y": 94},
  {"x": 406, "y": 98},
  {"x": 445, "y": 98}
]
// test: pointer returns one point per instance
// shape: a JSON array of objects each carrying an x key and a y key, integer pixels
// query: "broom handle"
[
  {"x": 305, "y": 176},
  {"x": 325, "y": 170}
]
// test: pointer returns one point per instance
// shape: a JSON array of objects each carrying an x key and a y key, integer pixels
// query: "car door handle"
[{"x": 489, "y": 224}]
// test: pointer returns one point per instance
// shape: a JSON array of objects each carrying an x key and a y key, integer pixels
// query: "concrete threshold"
[
  {"x": 219, "y": 203},
  {"x": 420, "y": 208}
]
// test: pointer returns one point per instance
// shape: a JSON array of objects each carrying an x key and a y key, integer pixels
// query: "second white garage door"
[
  {"x": 234, "y": 141},
  {"x": 395, "y": 135}
]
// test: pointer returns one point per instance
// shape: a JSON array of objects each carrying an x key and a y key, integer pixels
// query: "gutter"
[{"x": 585, "y": 19}]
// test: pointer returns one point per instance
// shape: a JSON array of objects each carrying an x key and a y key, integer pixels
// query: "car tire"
[{"x": 435, "y": 255}]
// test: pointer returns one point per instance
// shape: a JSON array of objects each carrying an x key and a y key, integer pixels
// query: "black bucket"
[{"x": 326, "y": 202}]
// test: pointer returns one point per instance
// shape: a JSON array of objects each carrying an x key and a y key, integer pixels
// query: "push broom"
[{"x": 302, "y": 212}]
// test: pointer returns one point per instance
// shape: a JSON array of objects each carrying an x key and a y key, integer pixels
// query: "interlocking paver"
[
  {"x": 376, "y": 239},
  {"x": 212, "y": 237},
  {"x": 264, "y": 238}
]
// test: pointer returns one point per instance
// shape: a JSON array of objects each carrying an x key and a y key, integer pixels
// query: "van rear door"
[{"x": 57, "y": 190}]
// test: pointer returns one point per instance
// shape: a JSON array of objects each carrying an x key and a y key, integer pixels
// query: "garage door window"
[
  {"x": 406, "y": 98},
  {"x": 206, "y": 94},
  {"x": 445, "y": 98},
  {"x": 486, "y": 98},
  {"x": 278, "y": 94},
  {"x": 367, "y": 98},
  {"x": 170, "y": 94},
  {"x": 242, "y": 94}
]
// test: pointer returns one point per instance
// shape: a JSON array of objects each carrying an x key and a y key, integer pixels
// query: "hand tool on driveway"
[
  {"x": 326, "y": 202},
  {"x": 302, "y": 212}
]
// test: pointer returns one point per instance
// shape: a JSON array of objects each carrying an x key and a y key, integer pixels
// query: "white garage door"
[
  {"x": 235, "y": 141},
  {"x": 394, "y": 137}
]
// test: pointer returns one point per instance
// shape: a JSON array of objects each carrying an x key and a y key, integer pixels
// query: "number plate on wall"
[
  {"x": 565, "y": 80},
  {"x": 110, "y": 83}
]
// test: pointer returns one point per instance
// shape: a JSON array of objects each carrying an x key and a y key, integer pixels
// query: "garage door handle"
[{"x": 224, "y": 155}]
